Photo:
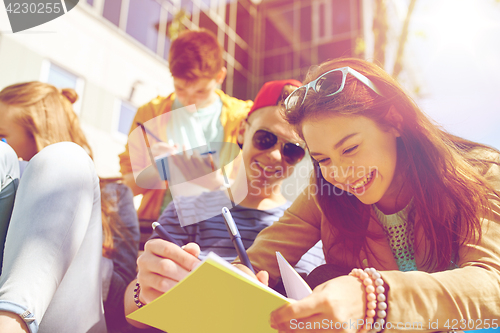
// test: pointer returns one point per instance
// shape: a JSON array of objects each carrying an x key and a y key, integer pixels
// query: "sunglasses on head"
[
  {"x": 292, "y": 152},
  {"x": 329, "y": 84}
]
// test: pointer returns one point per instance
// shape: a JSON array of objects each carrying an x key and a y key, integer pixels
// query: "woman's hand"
[
  {"x": 336, "y": 305},
  {"x": 162, "y": 265}
]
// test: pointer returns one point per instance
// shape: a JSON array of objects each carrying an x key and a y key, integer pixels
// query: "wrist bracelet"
[
  {"x": 376, "y": 305},
  {"x": 137, "y": 290}
]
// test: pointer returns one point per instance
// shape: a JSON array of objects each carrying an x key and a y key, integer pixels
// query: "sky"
[{"x": 454, "y": 53}]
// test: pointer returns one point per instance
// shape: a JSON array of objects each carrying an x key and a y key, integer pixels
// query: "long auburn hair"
[
  {"x": 47, "y": 114},
  {"x": 442, "y": 171}
]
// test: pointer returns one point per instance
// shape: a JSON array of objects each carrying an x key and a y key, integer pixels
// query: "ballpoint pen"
[
  {"x": 163, "y": 233},
  {"x": 160, "y": 140},
  {"x": 209, "y": 152},
  {"x": 148, "y": 131},
  {"x": 236, "y": 238}
]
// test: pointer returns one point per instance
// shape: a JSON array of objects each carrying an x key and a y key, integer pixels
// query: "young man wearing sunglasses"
[{"x": 270, "y": 150}]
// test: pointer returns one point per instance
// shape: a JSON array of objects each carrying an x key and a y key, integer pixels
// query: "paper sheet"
[{"x": 295, "y": 286}]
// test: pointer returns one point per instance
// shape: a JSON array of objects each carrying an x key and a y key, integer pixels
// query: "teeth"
[
  {"x": 362, "y": 182},
  {"x": 265, "y": 168}
]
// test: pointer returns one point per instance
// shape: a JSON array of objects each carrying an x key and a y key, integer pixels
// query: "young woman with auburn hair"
[
  {"x": 411, "y": 209},
  {"x": 38, "y": 122}
]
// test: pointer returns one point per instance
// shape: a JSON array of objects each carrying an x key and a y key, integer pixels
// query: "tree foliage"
[{"x": 381, "y": 27}]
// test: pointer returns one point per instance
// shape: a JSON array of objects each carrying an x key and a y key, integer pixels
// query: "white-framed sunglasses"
[{"x": 329, "y": 84}]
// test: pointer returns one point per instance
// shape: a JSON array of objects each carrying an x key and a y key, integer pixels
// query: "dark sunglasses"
[
  {"x": 329, "y": 84},
  {"x": 292, "y": 152}
]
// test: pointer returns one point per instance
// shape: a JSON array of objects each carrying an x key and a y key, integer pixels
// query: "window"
[
  {"x": 241, "y": 56},
  {"x": 322, "y": 19},
  {"x": 334, "y": 50},
  {"x": 166, "y": 46},
  {"x": 341, "y": 20},
  {"x": 243, "y": 23},
  {"x": 332, "y": 18},
  {"x": 207, "y": 23},
  {"x": 239, "y": 85},
  {"x": 62, "y": 78},
  {"x": 111, "y": 11},
  {"x": 274, "y": 64},
  {"x": 273, "y": 38},
  {"x": 305, "y": 57},
  {"x": 143, "y": 16},
  {"x": 187, "y": 5},
  {"x": 90, "y": 2},
  {"x": 306, "y": 24},
  {"x": 206, "y": 3},
  {"x": 125, "y": 116}
]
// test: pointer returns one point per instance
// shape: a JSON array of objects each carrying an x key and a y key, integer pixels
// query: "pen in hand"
[
  {"x": 148, "y": 131},
  {"x": 163, "y": 233},
  {"x": 236, "y": 238}
]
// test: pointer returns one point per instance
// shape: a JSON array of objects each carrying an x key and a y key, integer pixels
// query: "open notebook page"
[{"x": 295, "y": 286}]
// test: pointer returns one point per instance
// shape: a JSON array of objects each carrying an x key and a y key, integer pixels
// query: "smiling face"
[
  {"x": 16, "y": 135},
  {"x": 356, "y": 155},
  {"x": 266, "y": 167}
]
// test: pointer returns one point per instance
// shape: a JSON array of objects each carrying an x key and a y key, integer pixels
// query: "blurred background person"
[
  {"x": 35, "y": 115},
  {"x": 197, "y": 67}
]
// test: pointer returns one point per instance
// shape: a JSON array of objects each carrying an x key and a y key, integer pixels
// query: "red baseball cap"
[{"x": 270, "y": 93}]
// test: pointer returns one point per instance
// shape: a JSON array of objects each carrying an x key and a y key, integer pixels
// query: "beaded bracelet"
[
  {"x": 372, "y": 280},
  {"x": 137, "y": 290}
]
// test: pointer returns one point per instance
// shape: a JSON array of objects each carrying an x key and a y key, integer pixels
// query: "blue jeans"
[{"x": 51, "y": 265}]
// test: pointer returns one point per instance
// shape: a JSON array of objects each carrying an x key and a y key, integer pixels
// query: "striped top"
[{"x": 211, "y": 233}]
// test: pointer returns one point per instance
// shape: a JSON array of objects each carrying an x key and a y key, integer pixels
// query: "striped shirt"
[{"x": 211, "y": 233}]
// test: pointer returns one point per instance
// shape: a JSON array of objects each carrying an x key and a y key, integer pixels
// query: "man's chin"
[{"x": 265, "y": 181}]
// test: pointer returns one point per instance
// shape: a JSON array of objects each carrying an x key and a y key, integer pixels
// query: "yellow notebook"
[{"x": 214, "y": 298}]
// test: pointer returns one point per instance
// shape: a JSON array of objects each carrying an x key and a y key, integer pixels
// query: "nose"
[
  {"x": 337, "y": 174},
  {"x": 190, "y": 100},
  {"x": 275, "y": 154}
]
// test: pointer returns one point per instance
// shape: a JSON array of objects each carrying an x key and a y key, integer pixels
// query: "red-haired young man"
[{"x": 196, "y": 64}]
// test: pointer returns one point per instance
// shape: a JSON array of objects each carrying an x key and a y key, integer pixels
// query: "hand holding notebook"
[{"x": 217, "y": 297}]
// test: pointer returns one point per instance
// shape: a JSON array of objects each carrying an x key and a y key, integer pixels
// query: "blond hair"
[{"x": 46, "y": 112}]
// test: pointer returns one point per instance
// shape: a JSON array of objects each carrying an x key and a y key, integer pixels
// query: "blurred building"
[
  {"x": 273, "y": 39},
  {"x": 113, "y": 52}
]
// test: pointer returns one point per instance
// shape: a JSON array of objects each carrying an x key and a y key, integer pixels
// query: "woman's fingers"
[
  {"x": 263, "y": 277},
  {"x": 153, "y": 286},
  {"x": 164, "y": 249},
  {"x": 162, "y": 266},
  {"x": 339, "y": 302},
  {"x": 192, "y": 248}
]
